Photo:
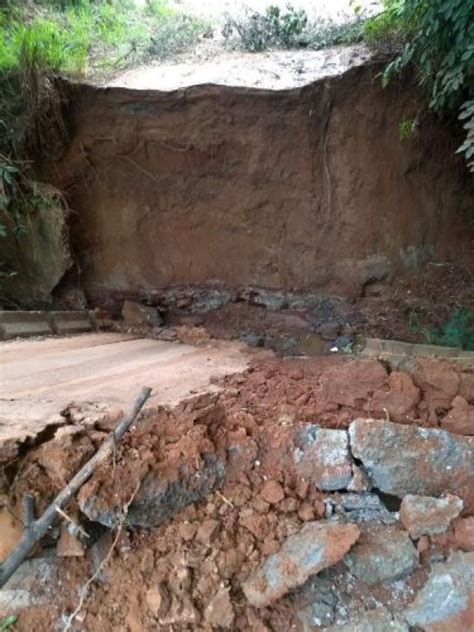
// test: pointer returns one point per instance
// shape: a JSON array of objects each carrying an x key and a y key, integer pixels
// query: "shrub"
[
  {"x": 437, "y": 39},
  {"x": 173, "y": 34},
  {"x": 457, "y": 331},
  {"x": 274, "y": 28}
]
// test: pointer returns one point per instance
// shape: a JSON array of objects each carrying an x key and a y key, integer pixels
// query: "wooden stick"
[
  {"x": 39, "y": 528},
  {"x": 28, "y": 510}
]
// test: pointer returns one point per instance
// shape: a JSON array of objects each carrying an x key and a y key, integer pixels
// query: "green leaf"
[{"x": 8, "y": 621}]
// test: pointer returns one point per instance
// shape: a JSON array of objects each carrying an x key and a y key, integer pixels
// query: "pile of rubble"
[{"x": 279, "y": 503}]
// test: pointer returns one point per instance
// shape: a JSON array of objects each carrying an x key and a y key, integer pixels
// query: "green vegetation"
[
  {"x": 7, "y": 622},
  {"x": 436, "y": 38},
  {"x": 456, "y": 331},
  {"x": 290, "y": 28},
  {"x": 76, "y": 37},
  {"x": 93, "y": 37}
]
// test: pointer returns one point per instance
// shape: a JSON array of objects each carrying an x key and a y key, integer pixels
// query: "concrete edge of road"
[
  {"x": 399, "y": 355},
  {"x": 14, "y": 324}
]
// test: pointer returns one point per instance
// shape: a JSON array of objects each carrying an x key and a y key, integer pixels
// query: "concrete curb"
[
  {"x": 15, "y": 324},
  {"x": 402, "y": 354}
]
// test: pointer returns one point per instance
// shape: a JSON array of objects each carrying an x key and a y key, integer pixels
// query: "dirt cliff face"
[{"x": 308, "y": 189}]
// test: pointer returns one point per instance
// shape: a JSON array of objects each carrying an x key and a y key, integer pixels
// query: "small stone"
[
  {"x": 424, "y": 515},
  {"x": 382, "y": 553},
  {"x": 153, "y": 600},
  {"x": 464, "y": 533},
  {"x": 329, "y": 330},
  {"x": 446, "y": 601},
  {"x": 302, "y": 488},
  {"x": 68, "y": 545},
  {"x": 359, "y": 481},
  {"x": 187, "y": 531},
  {"x": 139, "y": 315},
  {"x": 322, "y": 457},
  {"x": 423, "y": 545},
  {"x": 401, "y": 459},
  {"x": 207, "y": 531},
  {"x": 306, "y": 512},
  {"x": 316, "y": 546},
  {"x": 220, "y": 612},
  {"x": 272, "y": 492},
  {"x": 319, "y": 508},
  {"x": 147, "y": 563}
]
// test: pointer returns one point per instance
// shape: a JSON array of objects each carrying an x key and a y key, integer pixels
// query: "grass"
[{"x": 93, "y": 38}]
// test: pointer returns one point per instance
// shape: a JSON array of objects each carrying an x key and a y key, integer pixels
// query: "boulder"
[
  {"x": 316, "y": 546},
  {"x": 322, "y": 457},
  {"x": 446, "y": 601},
  {"x": 424, "y": 515},
  {"x": 136, "y": 314},
  {"x": 401, "y": 460},
  {"x": 382, "y": 553}
]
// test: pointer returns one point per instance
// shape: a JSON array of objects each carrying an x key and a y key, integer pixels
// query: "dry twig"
[{"x": 40, "y": 527}]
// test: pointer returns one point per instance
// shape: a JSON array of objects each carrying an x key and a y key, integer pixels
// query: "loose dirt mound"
[{"x": 229, "y": 479}]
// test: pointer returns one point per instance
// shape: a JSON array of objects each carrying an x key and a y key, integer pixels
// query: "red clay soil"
[{"x": 187, "y": 574}]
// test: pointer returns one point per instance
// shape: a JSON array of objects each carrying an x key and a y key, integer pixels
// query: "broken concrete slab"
[
  {"x": 24, "y": 323},
  {"x": 316, "y": 546},
  {"x": 40, "y": 378},
  {"x": 446, "y": 601},
  {"x": 322, "y": 457},
  {"x": 406, "y": 354},
  {"x": 71, "y": 322},
  {"x": 382, "y": 553},
  {"x": 403, "y": 460},
  {"x": 138, "y": 314},
  {"x": 425, "y": 515}
]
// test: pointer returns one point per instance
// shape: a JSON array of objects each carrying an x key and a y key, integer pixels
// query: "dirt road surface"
[{"x": 38, "y": 379}]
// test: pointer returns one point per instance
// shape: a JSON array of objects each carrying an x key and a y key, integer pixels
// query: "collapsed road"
[{"x": 332, "y": 492}]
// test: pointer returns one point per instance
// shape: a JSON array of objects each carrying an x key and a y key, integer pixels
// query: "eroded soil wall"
[{"x": 308, "y": 189}]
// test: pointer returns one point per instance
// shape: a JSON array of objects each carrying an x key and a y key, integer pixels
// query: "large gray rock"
[
  {"x": 382, "y": 554},
  {"x": 32, "y": 584},
  {"x": 318, "y": 545},
  {"x": 447, "y": 598},
  {"x": 322, "y": 457},
  {"x": 138, "y": 314},
  {"x": 424, "y": 515},
  {"x": 403, "y": 460}
]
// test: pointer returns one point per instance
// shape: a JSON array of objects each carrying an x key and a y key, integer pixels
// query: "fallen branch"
[{"x": 39, "y": 528}]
